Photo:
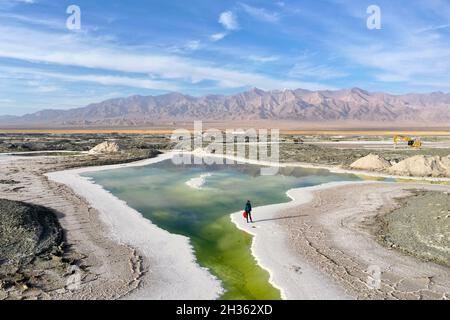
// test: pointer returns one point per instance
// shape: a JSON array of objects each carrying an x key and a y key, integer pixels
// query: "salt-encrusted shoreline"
[
  {"x": 183, "y": 276},
  {"x": 274, "y": 253},
  {"x": 173, "y": 270},
  {"x": 334, "y": 169},
  {"x": 288, "y": 272}
]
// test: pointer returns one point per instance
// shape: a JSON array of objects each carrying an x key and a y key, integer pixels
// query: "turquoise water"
[{"x": 160, "y": 193}]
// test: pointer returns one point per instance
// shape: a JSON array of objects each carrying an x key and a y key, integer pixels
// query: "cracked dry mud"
[{"x": 338, "y": 233}]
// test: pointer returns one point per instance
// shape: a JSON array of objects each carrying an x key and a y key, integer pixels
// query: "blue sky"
[{"x": 203, "y": 47}]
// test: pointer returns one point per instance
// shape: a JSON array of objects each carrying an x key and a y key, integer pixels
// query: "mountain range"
[{"x": 347, "y": 105}]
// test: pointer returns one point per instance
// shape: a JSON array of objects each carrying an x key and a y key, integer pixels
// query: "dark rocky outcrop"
[{"x": 26, "y": 231}]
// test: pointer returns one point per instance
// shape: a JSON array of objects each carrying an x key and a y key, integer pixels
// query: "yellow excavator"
[{"x": 412, "y": 142}]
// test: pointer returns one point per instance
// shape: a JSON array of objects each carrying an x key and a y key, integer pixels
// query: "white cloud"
[
  {"x": 188, "y": 46},
  {"x": 117, "y": 81},
  {"x": 167, "y": 72},
  {"x": 264, "y": 59},
  {"x": 23, "y": 1},
  {"x": 13, "y": 2},
  {"x": 415, "y": 49},
  {"x": 34, "y": 74},
  {"x": 42, "y": 88},
  {"x": 193, "y": 45},
  {"x": 8, "y": 4},
  {"x": 434, "y": 28},
  {"x": 218, "y": 36},
  {"x": 31, "y": 20},
  {"x": 306, "y": 69},
  {"x": 228, "y": 20},
  {"x": 260, "y": 13},
  {"x": 426, "y": 60}
]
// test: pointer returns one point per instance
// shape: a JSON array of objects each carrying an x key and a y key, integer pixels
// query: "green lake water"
[{"x": 159, "y": 191}]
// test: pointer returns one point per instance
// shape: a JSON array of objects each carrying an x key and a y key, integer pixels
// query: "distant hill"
[
  {"x": 7, "y": 118},
  {"x": 350, "y": 105}
]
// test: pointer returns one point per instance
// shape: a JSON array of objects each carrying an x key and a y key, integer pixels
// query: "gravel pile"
[{"x": 371, "y": 162}]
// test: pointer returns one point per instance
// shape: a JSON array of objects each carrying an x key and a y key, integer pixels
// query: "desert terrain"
[{"x": 402, "y": 228}]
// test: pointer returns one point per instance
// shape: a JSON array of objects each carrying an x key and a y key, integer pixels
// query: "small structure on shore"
[{"x": 105, "y": 147}]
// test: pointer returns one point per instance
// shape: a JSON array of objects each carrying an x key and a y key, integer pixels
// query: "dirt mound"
[
  {"x": 423, "y": 166},
  {"x": 371, "y": 162},
  {"x": 446, "y": 161},
  {"x": 26, "y": 231},
  {"x": 106, "y": 147}
]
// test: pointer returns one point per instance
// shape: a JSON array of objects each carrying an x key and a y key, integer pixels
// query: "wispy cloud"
[
  {"x": 7, "y": 4},
  {"x": 70, "y": 50},
  {"x": 305, "y": 69},
  {"x": 27, "y": 20},
  {"x": 40, "y": 87},
  {"x": 218, "y": 36},
  {"x": 434, "y": 28},
  {"x": 263, "y": 59},
  {"x": 260, "y": 13},
  {"x": 193, "y": 45},
  {"x": 429, "y": 62},
  {"x": 20, "y": 1},
  {"x": 417, "y": 57},
  {"x": 34, "y": 74},
  {"x": 222, "y": 47}
]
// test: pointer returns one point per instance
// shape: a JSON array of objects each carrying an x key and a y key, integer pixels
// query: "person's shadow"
[{"x": 281, "y": 218}]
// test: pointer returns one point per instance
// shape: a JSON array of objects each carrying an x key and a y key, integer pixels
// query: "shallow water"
[{"x": 160, "y": 193}]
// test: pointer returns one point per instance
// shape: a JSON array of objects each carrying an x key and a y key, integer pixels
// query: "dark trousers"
[{"x": 249, "y": 215}]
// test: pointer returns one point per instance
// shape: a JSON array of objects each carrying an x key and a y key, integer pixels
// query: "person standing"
[{"x": 248, "y": 211}]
